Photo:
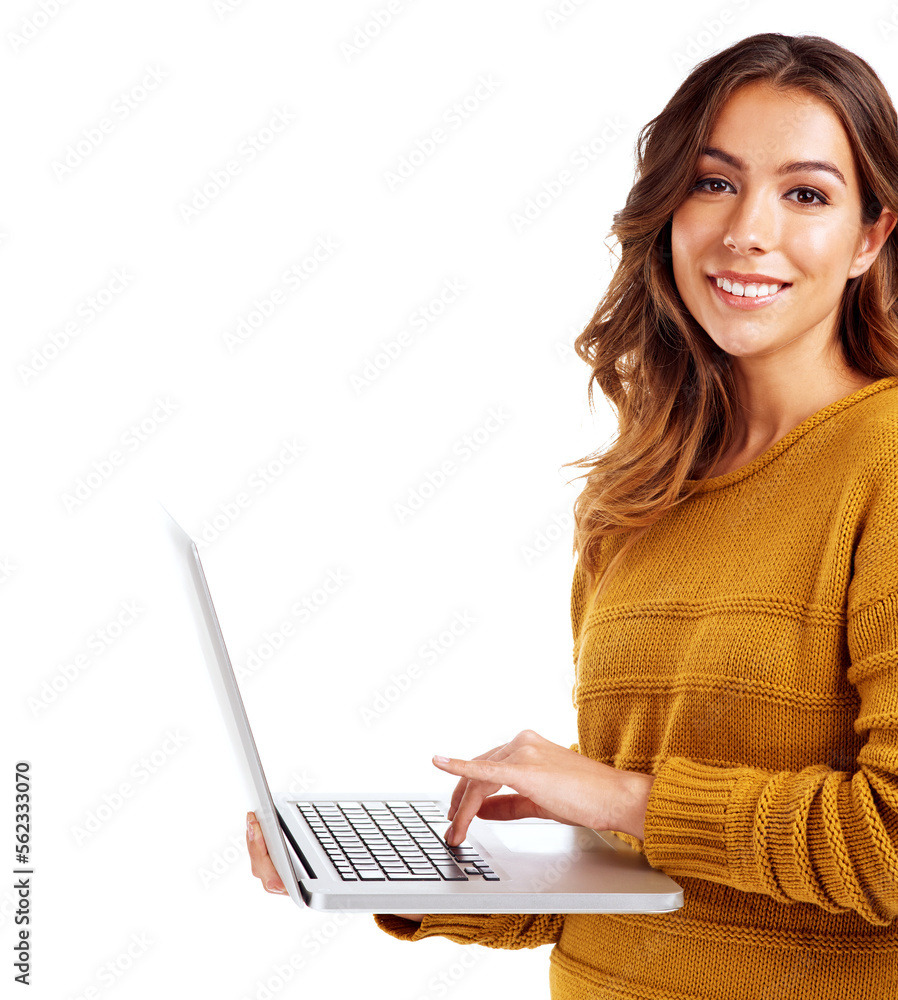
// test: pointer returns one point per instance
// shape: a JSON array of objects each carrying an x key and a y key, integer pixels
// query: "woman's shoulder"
[{"x": 873, "y": 420}]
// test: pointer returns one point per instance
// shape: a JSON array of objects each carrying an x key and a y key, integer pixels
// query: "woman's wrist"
[{"x": 636, "y": 794}]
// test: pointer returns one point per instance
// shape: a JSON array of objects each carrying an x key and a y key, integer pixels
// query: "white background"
[{"x": 92, "y": 689}]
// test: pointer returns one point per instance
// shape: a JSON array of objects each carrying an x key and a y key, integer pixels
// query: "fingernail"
[
  {"x": 249, "y": 828},
  {"x": 440, "y": 760},
  {"x": 274, "y": 887},
  {"x": 450, "y": 832}
]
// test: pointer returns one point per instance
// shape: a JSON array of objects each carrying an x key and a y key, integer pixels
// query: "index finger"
[
  {"x": 484, "y": 776},
  {"x": 462, "y": 785}
]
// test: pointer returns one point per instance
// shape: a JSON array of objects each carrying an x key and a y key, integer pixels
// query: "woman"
[{"x": 735, "y": 597}]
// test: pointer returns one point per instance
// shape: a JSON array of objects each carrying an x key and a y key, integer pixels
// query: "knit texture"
[{"x": 746, "y": 654}]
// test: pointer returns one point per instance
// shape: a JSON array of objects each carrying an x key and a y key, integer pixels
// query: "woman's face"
[{"x": 776, "y": 202}]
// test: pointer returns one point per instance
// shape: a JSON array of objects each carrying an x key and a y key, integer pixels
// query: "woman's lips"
[{"x": 744, "y": 301}]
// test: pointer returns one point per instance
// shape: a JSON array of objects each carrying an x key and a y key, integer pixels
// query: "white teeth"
[{"x": 747, "y": 291}]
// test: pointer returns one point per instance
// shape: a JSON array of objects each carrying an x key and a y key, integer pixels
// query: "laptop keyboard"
[{"x": 391, "y": 842}]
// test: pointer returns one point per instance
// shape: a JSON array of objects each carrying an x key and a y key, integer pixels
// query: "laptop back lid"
[{"x": 221, "y": 673}]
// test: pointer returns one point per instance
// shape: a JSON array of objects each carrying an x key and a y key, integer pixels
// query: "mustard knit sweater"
[{"x": 746, "y": 654}]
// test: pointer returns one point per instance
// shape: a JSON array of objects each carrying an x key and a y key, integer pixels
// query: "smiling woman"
[
  {"x": 734, "y": 605},
  {"x": 775, "y": 162}
]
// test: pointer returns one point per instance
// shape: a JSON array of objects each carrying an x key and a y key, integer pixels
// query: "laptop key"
[
  {"x": 413, "y": 877},
  {"x": 452, "y": 874}
]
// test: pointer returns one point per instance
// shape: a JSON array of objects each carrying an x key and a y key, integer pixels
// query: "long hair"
[{"x": 670, "y": 384}]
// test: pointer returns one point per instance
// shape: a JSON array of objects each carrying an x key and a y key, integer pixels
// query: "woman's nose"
[{"x": 751, "y": 225}]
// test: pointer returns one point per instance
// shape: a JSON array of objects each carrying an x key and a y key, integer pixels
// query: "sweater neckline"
[{"x": 776, "y": 449}]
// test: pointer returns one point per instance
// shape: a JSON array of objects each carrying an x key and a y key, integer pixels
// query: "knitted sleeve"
[
  {"x": 817, "y": 835},
  {"x": 501, "y": 930}
]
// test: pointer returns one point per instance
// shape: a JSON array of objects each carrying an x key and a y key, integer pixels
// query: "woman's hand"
[
  {"x": 551, "y": 782},
  {"x": 263, "y": 867}
]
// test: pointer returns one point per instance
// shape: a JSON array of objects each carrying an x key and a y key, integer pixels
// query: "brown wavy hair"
[{"x": 670, "y": 384}]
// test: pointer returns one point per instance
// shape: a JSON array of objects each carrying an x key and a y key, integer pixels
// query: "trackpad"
[{"x": 546, "y": 838}]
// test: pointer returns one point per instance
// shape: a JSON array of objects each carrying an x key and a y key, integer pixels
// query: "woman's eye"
[
  {"x": 701, "y": 185},
  {"x": 813, "y": 194}
]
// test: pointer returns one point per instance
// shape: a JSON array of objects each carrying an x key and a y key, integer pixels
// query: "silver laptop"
[{"x": 385, "y": 853}]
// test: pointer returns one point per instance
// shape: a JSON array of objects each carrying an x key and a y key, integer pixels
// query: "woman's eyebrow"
[{"x": 787, "y": 168}]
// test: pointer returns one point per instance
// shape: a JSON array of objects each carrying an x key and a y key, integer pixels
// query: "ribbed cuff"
[{"x": 699, "y": 822}]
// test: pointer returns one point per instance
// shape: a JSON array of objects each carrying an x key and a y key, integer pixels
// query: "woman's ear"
[{"x": 873, "y": 239}]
